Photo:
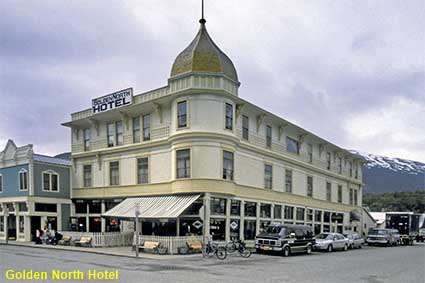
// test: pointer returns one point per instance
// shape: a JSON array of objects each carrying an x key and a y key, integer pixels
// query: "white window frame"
[
  {"x": 22, "y": 171},
  {"x": 50, "y": 173}
]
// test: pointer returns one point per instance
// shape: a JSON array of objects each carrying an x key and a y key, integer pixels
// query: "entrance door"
[
  {"x": 35, "y": 224},
  {"x": 11, "y": 225}
]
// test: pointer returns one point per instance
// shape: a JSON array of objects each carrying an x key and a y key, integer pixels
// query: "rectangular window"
[
  {"x": 87, "y": 176},
  {"x": 50, "y": 182},
  {"x": 351, "y": 196},
  {"x": 250, "y": 209},
  {"x": 310, "y": 153},
  {"x": 181, "y": 114},
  {"x": 183, "y": 163},
  {"x": 45, "y": 207},
  {"x": 23, "y": 180},
  {"x": 245, "y": 127},
  {"x": 80, "y": 206},
  {"x": 289, "y": 212},
  {"x": 277, "y": 213},
  {"x": 235, "y": 207},
  {"x": 110, "y": 128},
  {"x": 136, "y": 129},
  {"x": 339, "y": 193},
  {"x": 114, "y": 173},
  {"x": 228, "y": 165},
  {"x": 309, "y": 215},
  {"x": 292, "y": 145},
  {"x": 309, "y": 186},
  {"x": 218, "y": 206},
  {"x": 350, "y": 169},
  {"x": 327, "y": 217},
  {"x": 229, "y": 116},
  {"x": 355, "y": 197},
  {"x": 288, "y": 181},
  {"x": 300, "y": 214},
  {"x": 118, "y": 133},
  {"x": 339, "y": 165},
  {"x": 1, "y": 183},
  {"x": 86, "y": 139},
  {"x": 250, "y": 229},
  {"x": 328, "y": 160},
  {"x": 142, "y": 170},
  {"x": 318, "y": 216},
  {"x": 328, "y": 191},
  {"x": 268, "y": 176},
  {"x": 146, "y": 127},
  {"x": 356, "y": 171},
  {"x": 265, "y": 210},
  {"x": 269, "y": 136}
]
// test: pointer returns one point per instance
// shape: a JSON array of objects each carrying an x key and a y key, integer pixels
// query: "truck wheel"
[
  {"x": 330, "y": 248},
  {"x": 286, "y": 251},
  {"x": 308, "y": 249}
]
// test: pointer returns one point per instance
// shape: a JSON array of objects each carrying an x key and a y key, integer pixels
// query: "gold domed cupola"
[{"x": 203, "y": 56}]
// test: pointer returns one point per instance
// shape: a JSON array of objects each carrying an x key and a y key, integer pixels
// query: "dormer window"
[{"x": 292, "y": 145}]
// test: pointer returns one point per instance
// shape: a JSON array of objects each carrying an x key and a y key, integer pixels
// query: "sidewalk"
[{"x": 112, "y": 251}]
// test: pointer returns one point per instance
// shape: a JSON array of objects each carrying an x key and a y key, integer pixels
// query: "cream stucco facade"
[{"x": 209, "y": 131}]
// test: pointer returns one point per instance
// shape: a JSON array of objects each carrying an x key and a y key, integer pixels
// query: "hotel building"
[{"x": 221, "y": 163}]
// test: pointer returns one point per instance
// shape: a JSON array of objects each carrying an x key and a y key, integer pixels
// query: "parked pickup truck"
[{"x": 285, "y": 239}]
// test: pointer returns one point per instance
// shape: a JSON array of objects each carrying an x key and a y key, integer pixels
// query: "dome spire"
[{"x": 202, "y": 20}]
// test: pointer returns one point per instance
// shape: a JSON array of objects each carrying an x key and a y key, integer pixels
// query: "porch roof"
[{"x": 170, "y": 206}]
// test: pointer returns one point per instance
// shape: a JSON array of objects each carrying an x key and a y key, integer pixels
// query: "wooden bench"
[
  {"x": 65, "y": 241},
  {"x": 150, "y": 245},
  {"x": 194, "y": 246},
  {"x": 83, "y": 241}
]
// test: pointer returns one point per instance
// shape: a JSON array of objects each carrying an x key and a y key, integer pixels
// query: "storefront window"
[
  {"x": 309, "y": 215},
  {"x": 23, "y": 206},
  {"x": 218, "y": 229},
  {"x": 300, "y": 213},
  {"x": 234, "y": 229},
  {"x": 112, "y": 225},
  {"x": 326, "y": 228},
  {"x": 235, "y": 207},
  {"x": 52, "y": 223},
  {"x": 218, "y": 206},
  {"x": 317, "y": 229},
  {"x": 194, "y": 208},
  {"x": 327, "y": 217},
  {"x": 277, "y": 212},
  {"x": 159, "y": 228},
  {"x": 45, "y": 207},
  {"x": 250, "y": 209},
  {"x": 289, "y": 212},
  {"x": 338, "y": 218},
  {"x": 111, "y": 203},
  {"x": 263, "y": 225},
  {"x": 95, "y": 206},
  {"x": 82, "y": 224},
  {"x": 265, "y": 210},
  {"x": 1, "y": 223},
  {"x": 249, "y": 229},
  {"x": 95, "y": 224},
  {"x": 318, "y": 216},
  {"x": 80, "y": 206},
  {"x": 190, "y": 227}
]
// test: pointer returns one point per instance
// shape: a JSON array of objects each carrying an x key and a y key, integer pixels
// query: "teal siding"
[
  {"x": 64, "y": 180},
  {"x": 11, "y": 181},
  {"x": 66, "y": 213}
]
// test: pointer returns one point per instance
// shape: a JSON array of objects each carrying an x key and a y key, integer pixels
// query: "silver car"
[
  {"x": 354, "y": 240},
  {"x": 330, "y": 242}
]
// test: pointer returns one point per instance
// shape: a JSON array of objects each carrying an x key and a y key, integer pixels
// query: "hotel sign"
[{"x": 111, "y": 101}]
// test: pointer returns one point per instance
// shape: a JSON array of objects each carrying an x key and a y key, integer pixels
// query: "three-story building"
[{"x": 195, "y": 136}]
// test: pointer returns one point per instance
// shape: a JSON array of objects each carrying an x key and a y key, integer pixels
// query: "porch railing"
[
  {"x": 104, "y": 239},
  {"x": 172, "y": 243}
]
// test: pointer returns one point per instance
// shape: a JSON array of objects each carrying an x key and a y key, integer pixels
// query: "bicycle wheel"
[
  {"x": 221, "y": 253},
  {"x": 231, "y": 247},
  {"x": 246, "y": 253}
]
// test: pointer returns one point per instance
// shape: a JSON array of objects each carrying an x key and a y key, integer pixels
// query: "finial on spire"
[{"x": 202, "y": 20}]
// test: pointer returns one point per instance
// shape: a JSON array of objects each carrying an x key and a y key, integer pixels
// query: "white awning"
[{"x": 152, "y": 206}]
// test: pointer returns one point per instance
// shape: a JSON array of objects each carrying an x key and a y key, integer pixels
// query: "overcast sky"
[{"x": 352, "y": 72}]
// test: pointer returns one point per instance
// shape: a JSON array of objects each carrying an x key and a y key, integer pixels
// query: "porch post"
[
  {"x": 103, "y": 210},
  {"x": 227, "y": 225},
  {"x": 177, "y": 226}
]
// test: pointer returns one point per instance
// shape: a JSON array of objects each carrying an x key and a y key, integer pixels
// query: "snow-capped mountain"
[{"x": 387, "y": 174}]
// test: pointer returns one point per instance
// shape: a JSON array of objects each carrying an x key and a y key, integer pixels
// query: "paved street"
[{"x": 370, "y": 264}]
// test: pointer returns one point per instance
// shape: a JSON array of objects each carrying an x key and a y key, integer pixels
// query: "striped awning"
[{"x": 152, "y": 206}]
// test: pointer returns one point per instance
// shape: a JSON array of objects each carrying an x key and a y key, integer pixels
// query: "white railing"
[
  {"x": 103, "y": 239},
  {"x": 172, "y": 243}
]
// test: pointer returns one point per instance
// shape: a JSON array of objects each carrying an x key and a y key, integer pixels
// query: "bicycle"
[
  {"x": 239, "y": 246},
  {"x": 212, "y": 248}
]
